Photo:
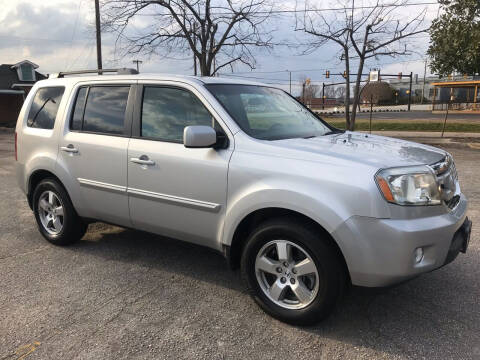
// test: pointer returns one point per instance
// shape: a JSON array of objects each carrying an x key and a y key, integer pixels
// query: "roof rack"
[{"x": 120, "y": 71}]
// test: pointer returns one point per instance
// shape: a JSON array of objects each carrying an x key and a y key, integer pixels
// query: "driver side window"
[{"x": 167, "y": 111}]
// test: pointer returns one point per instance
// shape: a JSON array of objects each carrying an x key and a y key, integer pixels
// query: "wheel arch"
[
  {"x": 254, "y": 218},
  {"x": 35, "y": 178}
]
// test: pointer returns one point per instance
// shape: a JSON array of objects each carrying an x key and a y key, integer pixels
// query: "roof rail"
[{"x": 120, "y": 71}]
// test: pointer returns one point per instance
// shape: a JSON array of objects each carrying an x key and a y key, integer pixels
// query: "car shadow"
[
  {"x": 421, "y": 318},
  {"x": 158, "y": 252}
]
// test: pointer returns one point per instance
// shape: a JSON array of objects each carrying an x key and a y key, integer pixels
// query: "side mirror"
[{"x": 199, "y": 136}]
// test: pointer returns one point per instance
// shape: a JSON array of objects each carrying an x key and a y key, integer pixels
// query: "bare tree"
[
  {"x": 218, "y": 33},
  {"x": 329, "y": 92},
  {"x": 340, "y": 92},
  {"x": 367, "y": 32},
  {"x": 324, "y": 31}
]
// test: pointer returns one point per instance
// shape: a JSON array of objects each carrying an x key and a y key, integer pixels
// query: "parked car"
[{"x": 302, "y": 208}]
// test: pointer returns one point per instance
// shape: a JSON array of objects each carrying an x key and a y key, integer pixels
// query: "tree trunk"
[
  {"x": 204, "y": 68},
  {"x": 347, "y": 88},
  {"x": 356, "y": 94}
]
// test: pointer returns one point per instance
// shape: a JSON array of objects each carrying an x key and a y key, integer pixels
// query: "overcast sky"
[{"x": 59, "y": 35}]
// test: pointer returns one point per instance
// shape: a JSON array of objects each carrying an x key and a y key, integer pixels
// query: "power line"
[
  {"x": 270, "y": 79},
  {"x": 253, "y": 77},
  {"x": 276, "y": 71},
  {"x": 305, "y": 70},
  {"x": 74, "y": 28},
  {"x": 39, "y": 39},
  {"x": 293, "y": 11}
]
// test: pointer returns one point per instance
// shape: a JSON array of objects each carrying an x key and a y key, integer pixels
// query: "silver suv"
[{"x": 302, "y": 208}]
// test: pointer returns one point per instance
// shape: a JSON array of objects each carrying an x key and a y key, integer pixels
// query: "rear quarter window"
[{"x": 44, "y": 107}]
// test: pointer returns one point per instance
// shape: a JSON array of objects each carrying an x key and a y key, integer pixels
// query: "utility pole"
[
  {"x": 424, "y": 76},
  {"x": 323, "y": 96},
  {"x": 290, "y": 77},
  {"x": 99, "y": 36},
  {"x": 303, "y": 93},
  {"x": 137, "y": 62},
  {"x": 410, "y": 92}
]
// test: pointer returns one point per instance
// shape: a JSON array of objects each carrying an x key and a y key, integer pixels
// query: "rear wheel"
[
  {"x": 291, "y": 272},
  {"x": 56, "y": 218}
]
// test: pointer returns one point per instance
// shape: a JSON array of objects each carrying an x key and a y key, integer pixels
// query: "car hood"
[{"x": 374, "y": 150}]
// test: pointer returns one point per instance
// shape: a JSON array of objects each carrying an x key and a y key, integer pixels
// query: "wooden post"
[
  {"x": 371, "y": 112},
  {"x": 290, "y": 77},
  {"x": 323, "y": 96},
  {"x": 410, "y": 92},
  {"x": 475, "y": 97},
  {"x": 445, "y": 120}
]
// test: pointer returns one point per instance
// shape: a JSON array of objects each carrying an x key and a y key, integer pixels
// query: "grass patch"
[{"x": 409, "y": 126}]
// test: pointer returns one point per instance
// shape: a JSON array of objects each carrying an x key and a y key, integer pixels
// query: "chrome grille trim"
[
  {"x": 447, "y": 180},
  {"x": 442, "y": 166}
]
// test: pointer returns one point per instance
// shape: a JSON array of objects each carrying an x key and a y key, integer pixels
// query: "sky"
[{"x": 59, "y": 35}]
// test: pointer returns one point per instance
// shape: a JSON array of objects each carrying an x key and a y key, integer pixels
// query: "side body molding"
[{"x": 177, "y": 200}]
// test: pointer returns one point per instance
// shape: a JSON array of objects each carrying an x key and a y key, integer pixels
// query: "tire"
[
  {"x": 325, "y": 284},
  {"x": 58, "y": 229}
]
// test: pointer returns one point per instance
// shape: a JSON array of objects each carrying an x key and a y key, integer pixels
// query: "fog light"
[{"x": 418, "y": 255}]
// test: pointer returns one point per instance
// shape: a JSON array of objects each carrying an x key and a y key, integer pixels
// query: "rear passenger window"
[
  {"x": 104, "y": 110},
  {"x": 45, "y": 107}
]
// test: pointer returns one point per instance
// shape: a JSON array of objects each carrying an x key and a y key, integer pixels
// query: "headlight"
[{"x": 409, "y": 185}]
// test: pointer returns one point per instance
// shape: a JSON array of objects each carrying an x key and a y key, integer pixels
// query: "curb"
[{"x": 361, "y": 111}]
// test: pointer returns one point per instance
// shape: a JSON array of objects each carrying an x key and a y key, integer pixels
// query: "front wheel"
[{"x": 292, "y": 272}]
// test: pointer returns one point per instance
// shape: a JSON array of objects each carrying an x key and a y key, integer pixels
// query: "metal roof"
[
  {"x": 9, "y": 77},
  {"x": 466, "y": 83}
]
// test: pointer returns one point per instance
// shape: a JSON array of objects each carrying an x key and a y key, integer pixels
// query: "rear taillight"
[{"x": 16, "y": 157}]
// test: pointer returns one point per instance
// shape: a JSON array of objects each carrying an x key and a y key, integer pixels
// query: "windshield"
[{"x": 267, "y": 113}]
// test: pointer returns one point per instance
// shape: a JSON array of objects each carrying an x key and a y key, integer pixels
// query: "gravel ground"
[{"x": 122, "y": 294}]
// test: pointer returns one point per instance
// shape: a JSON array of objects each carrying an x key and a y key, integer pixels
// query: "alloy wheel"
[
  {"x": 50, "y": 210},
  {"x": 287, "y": 274}
]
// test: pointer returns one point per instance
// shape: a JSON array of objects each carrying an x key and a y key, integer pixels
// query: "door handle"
[
  {"x": 142, "y": 160},
  {"x": 69, "y": 148}
]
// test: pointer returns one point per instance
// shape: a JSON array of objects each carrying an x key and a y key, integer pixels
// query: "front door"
[{"x": 175, "y": 191}]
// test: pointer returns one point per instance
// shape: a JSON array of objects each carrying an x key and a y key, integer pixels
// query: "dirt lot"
[{"x": 122, "y": 294}]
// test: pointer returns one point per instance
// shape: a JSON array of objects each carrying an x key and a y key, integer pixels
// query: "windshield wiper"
[
  {"x": 334, "y": 132},
  {"x": 309, "y": 137},
  {"x": 41, "y": 108}
]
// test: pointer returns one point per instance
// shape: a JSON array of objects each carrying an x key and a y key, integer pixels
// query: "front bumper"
[{"x": 380, "y": 252}]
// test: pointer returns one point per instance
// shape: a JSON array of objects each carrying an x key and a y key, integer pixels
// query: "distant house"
[{"x": 16, "y": 80}]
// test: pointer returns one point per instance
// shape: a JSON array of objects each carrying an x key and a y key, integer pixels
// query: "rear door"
[
  {"x": 93, "y": 149},
  {"x": 175, "y": 191}
]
